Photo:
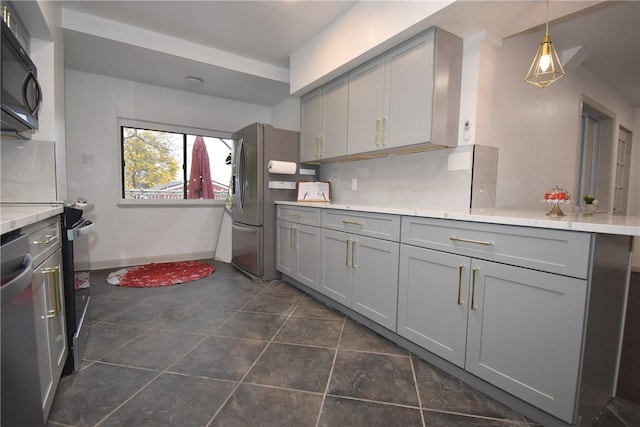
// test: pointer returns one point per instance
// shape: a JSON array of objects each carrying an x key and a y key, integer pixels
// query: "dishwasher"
[{"x": 20, "y": 389}]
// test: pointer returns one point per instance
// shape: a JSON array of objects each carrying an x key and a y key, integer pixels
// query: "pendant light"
[{"x": 546, "y": 68}]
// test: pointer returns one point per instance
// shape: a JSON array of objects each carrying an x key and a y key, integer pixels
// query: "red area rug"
[{"x": 161, "y": 274}]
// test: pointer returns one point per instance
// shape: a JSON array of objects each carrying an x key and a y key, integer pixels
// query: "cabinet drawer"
[
  {"x": 555, "y": 251},
  {"x": 44, "y": 239},
  {"x": 299, "y": 214},
  {"x": 381, "y": 226}
]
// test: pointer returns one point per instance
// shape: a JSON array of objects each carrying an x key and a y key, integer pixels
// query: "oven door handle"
[{"x": 72, "y": 233}]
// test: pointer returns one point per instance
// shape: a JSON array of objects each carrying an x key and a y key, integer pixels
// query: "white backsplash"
[
  {"x": 417, "y": 180},
  {"x": 28, "y": 170}
]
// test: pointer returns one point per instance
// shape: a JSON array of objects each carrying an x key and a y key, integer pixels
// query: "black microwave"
[{"x": 21, "y": 92}]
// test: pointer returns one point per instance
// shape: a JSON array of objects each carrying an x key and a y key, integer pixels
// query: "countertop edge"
[
  {"x": 603, "y": 223},
  {"x": 15, "y": 217}
]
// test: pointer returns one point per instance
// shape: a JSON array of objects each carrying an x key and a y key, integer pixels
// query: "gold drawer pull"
[
  {"x": 49, "y": 238},
  {"x": 294, "y": 215},
  {"x": 359, "y": 224},
  {"x": 478, "y": 242}
]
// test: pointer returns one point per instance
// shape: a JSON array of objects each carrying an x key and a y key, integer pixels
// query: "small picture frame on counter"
[{"x": 314, "y": 191}]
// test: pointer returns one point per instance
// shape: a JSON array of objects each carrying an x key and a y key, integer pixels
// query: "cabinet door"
[
  {"x": 375, "y": 279},
  {"x": 409, "y": 93},
  {"x": 56, "y": 314},
  {"x": 40, "y": 305},
  {"x": 433, "y": 293},
  {"x": 335, "y": 112},
  {"x": 525, "y": 334},
  {"x": 311, "y": 122},
  {"x": 307, "y": 245},
  {"x": 335, "y": 266},
  {"x": 285, "y": 252},
  {"x": 366, "y": 98}
]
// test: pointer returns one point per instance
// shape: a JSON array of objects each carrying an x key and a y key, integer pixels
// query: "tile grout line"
[
  {"x": 333, "y": 364},
  {"x": 241, "y": 381},
  {"x": 415, "y": 382}
]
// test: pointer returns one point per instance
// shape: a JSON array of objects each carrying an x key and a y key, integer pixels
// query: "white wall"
[
  {"x": 538, "y": 130},
  {"x": 133, "y": 235}
]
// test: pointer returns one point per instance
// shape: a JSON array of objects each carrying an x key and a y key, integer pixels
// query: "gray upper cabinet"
[
  {"x": 324, "y": 122},
  {"x": 405, "y": 99}
]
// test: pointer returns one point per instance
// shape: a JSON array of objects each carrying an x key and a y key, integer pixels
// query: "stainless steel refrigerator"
[{"x": 253, "y": 212}]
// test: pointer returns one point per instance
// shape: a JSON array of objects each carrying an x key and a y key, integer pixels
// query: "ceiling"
[{"x": 241, "y": 49}]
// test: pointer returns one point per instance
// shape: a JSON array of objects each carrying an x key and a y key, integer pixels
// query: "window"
[{"x": 163, "y": 162}]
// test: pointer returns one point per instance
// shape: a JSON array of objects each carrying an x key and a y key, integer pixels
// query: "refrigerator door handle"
[{"x": 242, "y": 181}]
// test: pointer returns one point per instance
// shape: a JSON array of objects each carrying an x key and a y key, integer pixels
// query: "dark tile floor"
[{"x": 225, "y": 351}]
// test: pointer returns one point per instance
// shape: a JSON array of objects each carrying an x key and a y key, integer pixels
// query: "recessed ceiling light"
[{"x": 194, "y": 81}]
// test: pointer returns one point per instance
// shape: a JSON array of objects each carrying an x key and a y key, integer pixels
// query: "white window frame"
[{"x": 163, "y": 127}]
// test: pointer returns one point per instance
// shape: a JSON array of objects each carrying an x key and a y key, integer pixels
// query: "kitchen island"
[{"x": 523, "y": 306}]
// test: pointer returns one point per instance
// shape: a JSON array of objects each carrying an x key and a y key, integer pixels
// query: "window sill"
[{"x": 131, "y": 203}]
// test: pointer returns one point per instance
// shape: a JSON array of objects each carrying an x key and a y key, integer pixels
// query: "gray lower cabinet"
[
  {"x": 298, "y": 253},
  {"x": 525, "y": 334},
  {"x": 361, "y": 273},
  {"x": 48, "y": 299},
  {"x": 519, "y": 329},
  {"x": 516, "y": 328}
]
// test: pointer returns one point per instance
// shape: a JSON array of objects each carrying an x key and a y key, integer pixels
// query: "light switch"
[{"x": 87, "y": 158}]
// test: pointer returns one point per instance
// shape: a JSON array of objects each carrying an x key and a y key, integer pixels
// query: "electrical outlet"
[
  {"x": 459, "y": 161},
  {"x": 354, "y": 184},
  {"x": 87, "y": 158}
]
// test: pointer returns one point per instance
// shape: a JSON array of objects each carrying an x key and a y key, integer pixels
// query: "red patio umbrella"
[{"x": 200, "y": 186}]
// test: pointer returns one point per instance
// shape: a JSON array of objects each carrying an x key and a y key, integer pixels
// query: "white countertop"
[
  {"x": 14, "y": 216},
  {"x": 604, "y": 223}
]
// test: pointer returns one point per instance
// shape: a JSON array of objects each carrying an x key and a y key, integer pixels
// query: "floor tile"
[
  {"x": 273, "y": 304},
  {"x": 220, "y": 357},
  {"x": 293, "y": 366},
  {"x": 200, "y": 319},
  {"x": 85, "y": 398},
  {"x": 357, "y": 337},
  {"x": 378, "y": 377},
  {"x": 440, "y": 419},
  {"x": 173, "y": 400},
  {"x": 305, "y": 331},
  {"x": 626, "y": 411},
  {"x": 108, "y": 337},
  {"x": 310, "y": 307},
  {"x": 280, "y": 287},
  {"x": 155, "y": 350},
  {"x": 252, "y": 405},
  {"x": 339, "y": 412},
  {"x": 257, "y": 326},
  {"x": 441, "y": 391}
]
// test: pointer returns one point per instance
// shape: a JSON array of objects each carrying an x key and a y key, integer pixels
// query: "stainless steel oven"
[{"x": 75, "y": 231}]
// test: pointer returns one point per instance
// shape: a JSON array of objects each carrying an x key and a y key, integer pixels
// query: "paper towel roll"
[{"x": 284, "y": 168}]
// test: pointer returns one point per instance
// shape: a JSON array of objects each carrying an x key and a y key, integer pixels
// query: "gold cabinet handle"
[
  {"x": 377, "y": 140},
  {"x": 383, "y": 122},
  {"x": 473, "y": 289},
  {"x": 478, "y": 242},
  {"x": 49, "y": 238},
  {"x": 353, "y": 254},
  {"x": 295, "y": 215},
  {"x": 56, "y": 291},
  {"x": 359, "y": 224},
  {"x": 291, "y": 237},
  {"x": 460, "y": 284},
  {"x": 295, "y": 238},
  {"x": 347, "y": 260}
]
